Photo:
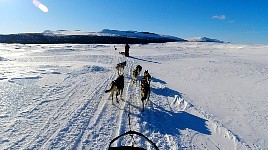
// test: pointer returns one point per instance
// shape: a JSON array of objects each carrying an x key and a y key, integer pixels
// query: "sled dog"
[
  {"x": 117, "y": 87},
  {"x": 145, "y": 92},
  {"x": 136, "y": 73},
  {"x": 120, "y": 67},
  {"x": 138, "y": 68},
  {"x": 135, "y": 76},
  {"x": 147, "y": 76}
]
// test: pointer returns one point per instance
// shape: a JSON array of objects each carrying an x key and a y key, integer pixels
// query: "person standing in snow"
[{"x": 127, "y": 50}]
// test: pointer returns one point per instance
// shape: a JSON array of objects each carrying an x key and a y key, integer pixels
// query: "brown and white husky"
[
  {"x": 136, "y": 72},
  {"x": 117, "y": 87},
  {"x": 120, "y": 67},
  {"x": 145, "y": 92}
]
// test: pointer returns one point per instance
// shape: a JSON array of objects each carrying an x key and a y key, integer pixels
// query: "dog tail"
[{"x": 109, "y": 90}]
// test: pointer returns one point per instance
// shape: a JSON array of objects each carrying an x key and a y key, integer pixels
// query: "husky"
[
  {"x": 117, "y": 86},
  {"x": 147, "y": 76},
  {"x": 135, "y": 76},
  {"x": 120, "y": 67},
  {"x": 136, "y": 73},
  {"x": 145, "y": 92},
  {"x": 138, "y": 68}
]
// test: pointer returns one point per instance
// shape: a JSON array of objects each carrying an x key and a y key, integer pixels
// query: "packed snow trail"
[{"x": 56, "y": 118}]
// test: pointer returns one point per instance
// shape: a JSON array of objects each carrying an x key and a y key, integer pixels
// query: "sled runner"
[{"x": 131, "y": 147}]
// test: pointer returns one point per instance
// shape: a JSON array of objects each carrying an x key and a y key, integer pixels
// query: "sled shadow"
[
  {"x": 144, "y": 60},
  {"x": 167, "y": 122}
]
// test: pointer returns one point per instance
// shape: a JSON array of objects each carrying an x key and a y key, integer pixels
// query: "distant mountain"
[
  {"x": 142, "y": 35},
  {"x": 105, "y": 36},
  {"x": 79, "y": 37},
  {"x": 203, "y": 39}
]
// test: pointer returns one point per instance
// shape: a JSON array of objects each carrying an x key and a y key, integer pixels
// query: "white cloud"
[{"x": 221, "y": 17}]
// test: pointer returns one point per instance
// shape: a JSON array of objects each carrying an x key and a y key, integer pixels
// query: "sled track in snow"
[
  {"x": 138, "y": 119},
  {"x": 46, "y": 112},
  {"x": 108, "y": 118},
  {"x": 56, "y": 128},
  {"x": 70, "y": 135}
]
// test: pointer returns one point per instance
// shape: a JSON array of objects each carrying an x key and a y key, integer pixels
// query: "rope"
[{"x": 129, "y": 124}]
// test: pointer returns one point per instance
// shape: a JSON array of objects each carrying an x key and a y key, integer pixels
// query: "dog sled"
[{"x": 131, "y": 133}]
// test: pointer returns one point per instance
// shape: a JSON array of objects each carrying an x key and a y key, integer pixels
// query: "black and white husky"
[
  {"x": 120, "y": 67},
  {"x": 117, "y": 87},
  {"x": 145, "y": 92}
]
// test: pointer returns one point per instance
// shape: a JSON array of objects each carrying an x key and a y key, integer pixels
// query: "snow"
[
  {"x": 136, "y": 34},
  {"x": 108, "y": 32},
  {"x": 203, "y": 96},
  {"x": 203, "y": 39},
  {"x": 75, "y": 32}
]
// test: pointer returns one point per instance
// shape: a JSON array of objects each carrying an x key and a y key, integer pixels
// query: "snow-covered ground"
[{"x": 203, "y": 96}]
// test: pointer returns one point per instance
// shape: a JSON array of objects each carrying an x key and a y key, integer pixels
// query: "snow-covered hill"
[
  {"x": 108, "y": 32},
  {"x": 203, "y": 96},
  {"x": 136, "y": 34},
  {"x": 80, "y": 37},
  {"x": 203, "y": 39},
  {"x": 105, "y": 36}
]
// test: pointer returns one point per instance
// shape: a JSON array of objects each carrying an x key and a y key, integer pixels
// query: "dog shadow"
[
  {"x": 158, "y": 80},
  {"x": 165, "y": 92},
  {"x": 168, "y": 122},
  {"x": 144, "y": 60}
]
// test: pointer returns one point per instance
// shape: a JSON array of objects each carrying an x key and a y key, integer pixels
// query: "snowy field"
[{"x": 203, "y": 96}]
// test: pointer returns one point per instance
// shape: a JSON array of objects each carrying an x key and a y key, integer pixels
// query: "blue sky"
[{"x": 238, "y": 21}]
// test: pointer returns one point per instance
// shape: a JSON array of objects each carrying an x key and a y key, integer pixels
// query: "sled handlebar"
[{"x": 132, "y": 132}]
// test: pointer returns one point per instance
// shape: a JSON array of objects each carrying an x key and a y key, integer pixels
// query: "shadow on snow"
[
  {"x": 158, "y": 80},
  {"x": 144, "y": 60},
  {"x": 168, "y": 122},
  {"x": 165, "y": 92}
]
